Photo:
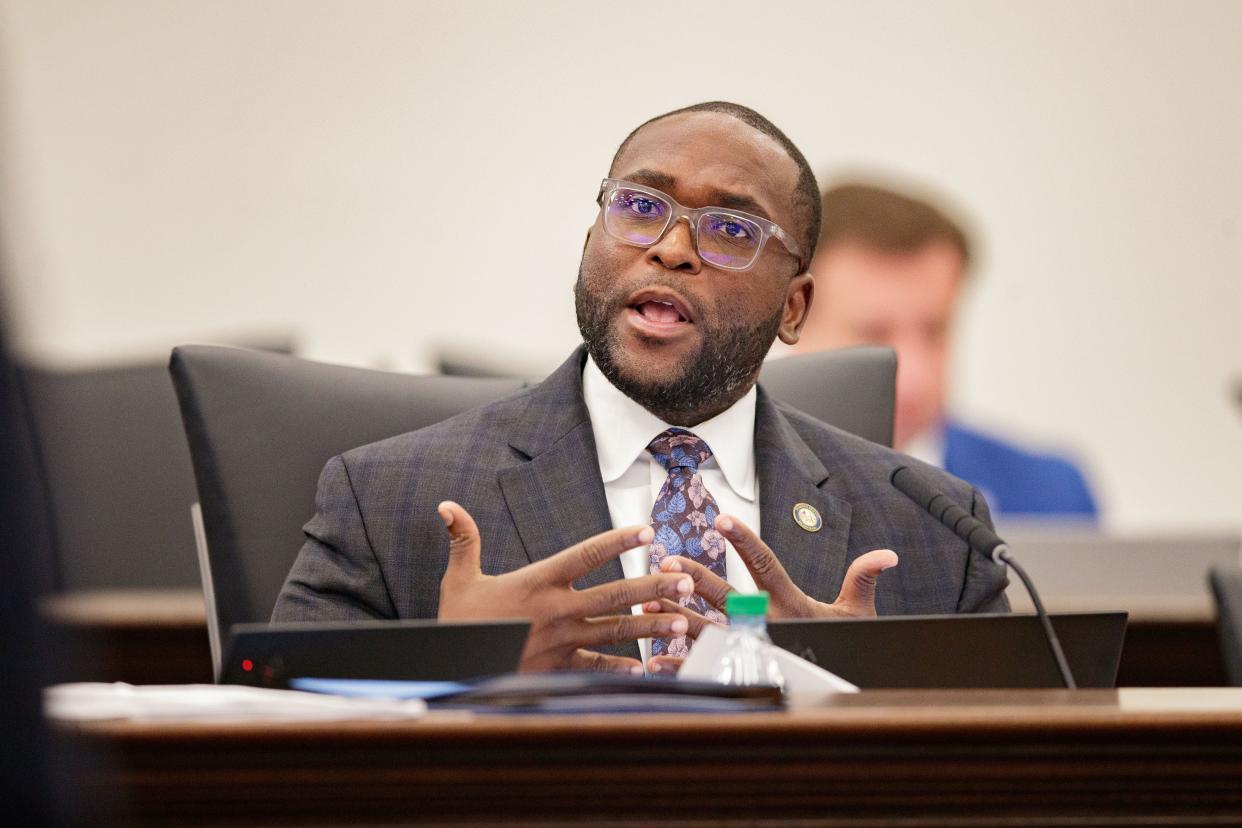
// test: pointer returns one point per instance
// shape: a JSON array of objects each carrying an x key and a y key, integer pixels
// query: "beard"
[{"x": 711, "y": 380}]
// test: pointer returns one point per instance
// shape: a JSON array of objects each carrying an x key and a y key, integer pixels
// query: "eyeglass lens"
[{"x": 724, "y": 240}]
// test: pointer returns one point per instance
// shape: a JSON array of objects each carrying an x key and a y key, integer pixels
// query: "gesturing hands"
[
  {"x": 856, "y": 599},
  {"x": 563, "y": 619}
]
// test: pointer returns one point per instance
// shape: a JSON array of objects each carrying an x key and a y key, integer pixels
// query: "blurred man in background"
[{"x": 889, "y": 270}]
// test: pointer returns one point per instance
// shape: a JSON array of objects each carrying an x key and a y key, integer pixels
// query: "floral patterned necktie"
[{"x": 684, "y": 520}]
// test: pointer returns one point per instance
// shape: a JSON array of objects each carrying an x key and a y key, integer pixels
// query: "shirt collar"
[{"x": 623, "y": 428}]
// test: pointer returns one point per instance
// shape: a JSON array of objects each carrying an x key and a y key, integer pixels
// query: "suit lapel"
[
  {"x": 555, "y": 496},
  {"x": 790, "y": 473}
]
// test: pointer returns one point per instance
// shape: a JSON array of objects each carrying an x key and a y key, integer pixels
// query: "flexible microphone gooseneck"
[{"x": 982, "y": 539}]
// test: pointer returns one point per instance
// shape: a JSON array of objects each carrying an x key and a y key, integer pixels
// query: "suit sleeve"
[
  {"x": 985, "y": 582},
  {"x": 336, "y": 576}
]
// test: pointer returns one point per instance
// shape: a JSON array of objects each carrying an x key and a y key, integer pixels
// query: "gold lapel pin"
[{"x": 807, "y": 517}]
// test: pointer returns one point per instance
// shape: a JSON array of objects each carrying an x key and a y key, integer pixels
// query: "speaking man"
[{"x": 648, "y": 471}]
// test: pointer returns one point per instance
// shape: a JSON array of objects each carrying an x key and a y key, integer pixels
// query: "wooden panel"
[
  {"x": 1171, "y": 652},
  {"x": 135, "y": 636},
  {"x": 921, "y": 758}
]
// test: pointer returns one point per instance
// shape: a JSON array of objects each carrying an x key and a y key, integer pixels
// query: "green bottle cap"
[{"x": 738, "y": 603}]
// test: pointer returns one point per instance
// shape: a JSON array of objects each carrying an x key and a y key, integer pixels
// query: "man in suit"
[
  {"x": 889, "y": 270},
  {"x": 655, "y": 425}
]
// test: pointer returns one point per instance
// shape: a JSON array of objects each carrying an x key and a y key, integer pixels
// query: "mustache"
[{"x": 617, "y": 298}]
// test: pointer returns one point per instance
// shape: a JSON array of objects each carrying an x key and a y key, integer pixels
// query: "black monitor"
[
  {"x": 269, "y": 655},
  {"x": 955, "y": 651}
]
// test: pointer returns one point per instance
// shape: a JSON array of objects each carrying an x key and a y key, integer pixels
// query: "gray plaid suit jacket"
[{"x": 526, "y": 469}]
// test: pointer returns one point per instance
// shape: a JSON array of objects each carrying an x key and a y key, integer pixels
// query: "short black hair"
[{"x": 806, "y": 201}]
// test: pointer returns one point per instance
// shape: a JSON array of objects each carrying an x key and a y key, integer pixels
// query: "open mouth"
[
  {"x": 660, "y": 312},
  {"x": 661, "y": 308}
]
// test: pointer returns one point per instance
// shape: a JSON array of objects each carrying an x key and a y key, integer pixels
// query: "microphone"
[
  {"x": 969, "y": 528},
  {"x": 981, "y": 539}
]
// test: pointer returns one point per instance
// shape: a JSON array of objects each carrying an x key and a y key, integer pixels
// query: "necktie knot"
[{"x": 676, "y": 448}]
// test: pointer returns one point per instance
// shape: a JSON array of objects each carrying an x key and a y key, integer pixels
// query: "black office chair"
[
  {"x": 116, "y": 475},
  {"x": 261, "y": 426},
  {"x": 1226, "y": 585},
  {"x": 853, "y": 389}
]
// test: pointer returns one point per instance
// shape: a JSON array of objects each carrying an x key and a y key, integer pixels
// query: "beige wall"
[{"x": 182, "y": 170}]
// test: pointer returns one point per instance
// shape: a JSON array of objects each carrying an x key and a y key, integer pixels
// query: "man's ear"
[{"x": 797, "y": 306}]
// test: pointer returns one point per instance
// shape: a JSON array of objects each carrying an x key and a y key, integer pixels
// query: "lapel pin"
[{"x": 807, "y": 517}]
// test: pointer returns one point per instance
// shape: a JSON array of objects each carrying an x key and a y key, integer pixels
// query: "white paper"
[
  {"x": 95, "y": 701},
  {"x": 801, "y": 676}
]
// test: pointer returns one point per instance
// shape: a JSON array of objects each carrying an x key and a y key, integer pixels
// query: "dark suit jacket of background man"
[{"x": 526, "y": 469}]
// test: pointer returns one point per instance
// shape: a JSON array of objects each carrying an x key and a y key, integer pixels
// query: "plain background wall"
[{"x": 347, "y": 171}]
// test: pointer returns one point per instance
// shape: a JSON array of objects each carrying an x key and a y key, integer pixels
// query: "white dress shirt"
[
  {"x": 632, "y": 477},
  {"x": 928, "y": 446}
]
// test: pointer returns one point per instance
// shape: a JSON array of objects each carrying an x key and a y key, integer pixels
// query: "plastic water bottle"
[{"x": 745, "y": 658}]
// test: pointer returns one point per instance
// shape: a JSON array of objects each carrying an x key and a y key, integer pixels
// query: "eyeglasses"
[{"x": 728, "y": 239}]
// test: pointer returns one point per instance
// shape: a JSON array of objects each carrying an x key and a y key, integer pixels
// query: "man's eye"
[
  {"x": 642, "y": 206},
  {"x": 731, "y": 229}
]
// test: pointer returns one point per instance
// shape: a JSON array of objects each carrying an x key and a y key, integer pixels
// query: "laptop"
[
  {"x": 270, "y": 655},
  {"x": 954, "y": 651}
]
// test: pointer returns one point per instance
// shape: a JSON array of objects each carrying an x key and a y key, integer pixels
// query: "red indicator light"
[{"x": 247, "y": 665}]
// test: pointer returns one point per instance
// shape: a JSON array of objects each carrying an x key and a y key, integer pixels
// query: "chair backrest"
[
  {"x": 851, "y": 388},
  {"x": 1227, "y": 591},
  {"x": 261, "y": 426},
  {"x": 116, "y": 473}
]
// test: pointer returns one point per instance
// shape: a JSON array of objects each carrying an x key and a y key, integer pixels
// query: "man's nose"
[{"x": 676, "y": 249}]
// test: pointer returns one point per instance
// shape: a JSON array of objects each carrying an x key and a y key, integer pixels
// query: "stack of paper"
[{"x": 96, "y": 701}]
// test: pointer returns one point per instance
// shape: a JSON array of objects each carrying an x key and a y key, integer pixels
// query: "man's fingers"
[
  {"x": 858, "y": 590},
  {"x": 570, "y": 564},
  {"x": 664, "y": 665},
  {"x": 697, "y": 622},
  {"x": 625, "y": 593},
  {"x": 714, "y": 589},
  {"x": 601, "y": 663},
  {"x": 613, "y": 629},
  {"x": 768, "y": 572},
  {"x": 465, "y": 547}
]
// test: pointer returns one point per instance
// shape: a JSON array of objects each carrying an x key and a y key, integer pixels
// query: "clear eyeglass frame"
[{"x": 768, "y": 229}]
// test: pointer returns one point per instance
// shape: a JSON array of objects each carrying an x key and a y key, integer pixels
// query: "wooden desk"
[
  {"x": 877, "y": 758},
  {"x": 140, "y": 636},
  {"x": 1170, "y": 642}
]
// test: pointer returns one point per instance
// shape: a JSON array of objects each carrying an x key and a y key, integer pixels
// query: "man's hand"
[
  {"x": 857, "y": 597},
  {"x": 563, "y": 619}
]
